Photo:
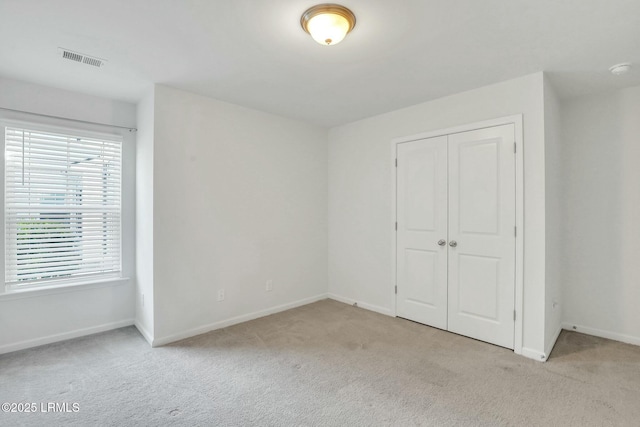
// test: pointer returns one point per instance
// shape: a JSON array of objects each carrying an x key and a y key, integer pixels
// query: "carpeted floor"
[{"x": 326, "y": 363}]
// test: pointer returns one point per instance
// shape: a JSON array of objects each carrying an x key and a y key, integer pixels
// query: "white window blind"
[{"x": 62, "y": 207}]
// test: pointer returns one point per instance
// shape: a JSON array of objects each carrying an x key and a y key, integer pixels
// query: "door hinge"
[
  {"x": 396, "y": 162},
  {"x": 396, "y": 226},
  {"x": 515, "y": 147},
  {"x": 514, "y": 315},
  {"x": 396, "y": 289},
  {"x": 515, "y": 231}
]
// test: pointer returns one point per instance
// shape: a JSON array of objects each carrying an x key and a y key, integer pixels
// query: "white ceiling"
[{"x": 254, "y": 52}]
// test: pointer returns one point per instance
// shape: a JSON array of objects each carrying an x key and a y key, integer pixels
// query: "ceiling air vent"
[{"x": 81, "y": 57}]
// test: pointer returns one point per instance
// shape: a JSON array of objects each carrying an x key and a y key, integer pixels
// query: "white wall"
[
  {"x": 554, "y": 195},
  {"x": 240, "y": 197},
  {"x": 39, "y": 317},
  {"x": 144, "y": 215},
  {"x": 601, "y": 153},
  {"x": 360, "y": 208}
]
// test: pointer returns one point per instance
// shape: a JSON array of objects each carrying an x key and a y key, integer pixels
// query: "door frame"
[{"x": 517, "y": 121}]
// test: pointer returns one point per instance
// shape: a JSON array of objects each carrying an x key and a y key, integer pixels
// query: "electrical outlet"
[
  {"x": 269, "y": 285},
  {"x": 220, "y": 294}
]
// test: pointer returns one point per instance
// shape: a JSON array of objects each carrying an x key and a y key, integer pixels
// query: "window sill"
[{"x": 61, "y": 289}]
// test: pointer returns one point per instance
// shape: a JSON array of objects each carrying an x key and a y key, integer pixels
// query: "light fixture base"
[{"x": 620, "y": 69}]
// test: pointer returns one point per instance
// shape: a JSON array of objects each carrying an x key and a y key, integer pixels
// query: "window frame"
[{"x": 115, "y": 277}]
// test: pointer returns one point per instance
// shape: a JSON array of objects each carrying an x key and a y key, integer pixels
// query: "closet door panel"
[
  {"x": 422, "y": 221},
  {"x": 481, "y": 284}
]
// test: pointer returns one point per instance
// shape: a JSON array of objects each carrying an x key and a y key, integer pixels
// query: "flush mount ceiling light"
[
  {"x": 620, "y": 69},
  {"x": 328, "y": 23}
]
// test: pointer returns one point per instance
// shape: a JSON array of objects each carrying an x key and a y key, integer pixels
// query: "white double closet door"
[{"x": 456, "y": 233}]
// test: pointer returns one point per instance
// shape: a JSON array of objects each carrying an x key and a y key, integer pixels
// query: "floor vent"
[{"x": 81, "y": 57}]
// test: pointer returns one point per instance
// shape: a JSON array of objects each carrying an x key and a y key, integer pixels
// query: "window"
[{"x": 62, "y": 195}]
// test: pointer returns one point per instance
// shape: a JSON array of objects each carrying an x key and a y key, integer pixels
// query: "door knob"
[
  {"x": 442, "y": 242},
  {"x": 453, "y": 243}
]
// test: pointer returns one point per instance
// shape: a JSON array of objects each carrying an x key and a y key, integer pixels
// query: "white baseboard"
[
  {"x": 629, "y": 339},
  {"x": 144, "y": 332},
  {"x": 361, "y": 304},
  {"x": 157, "y": 342},
  {"x": 534, "y": 354},
  {"x": 8, "y": 348},
  {"x": 553, "y": 342},
  {"x": 537, "y": 355}
]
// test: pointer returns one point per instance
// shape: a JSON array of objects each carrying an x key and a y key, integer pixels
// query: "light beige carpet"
[{"x": 323, "y": 364}]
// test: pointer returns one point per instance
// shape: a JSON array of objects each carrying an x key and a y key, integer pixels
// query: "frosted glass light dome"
[{"x": 328, "y": 24}]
